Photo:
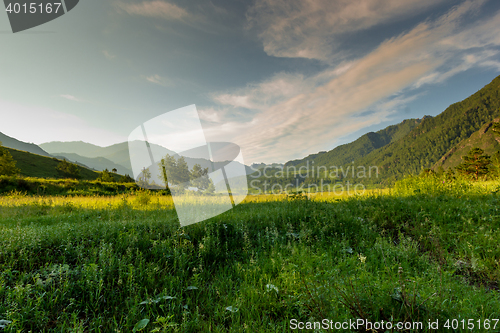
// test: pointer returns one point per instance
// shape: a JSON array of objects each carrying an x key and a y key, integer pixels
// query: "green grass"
[
  {"x": 104, "y": 264},
  {"x": 32, "y": 165},
  {"x": 62, "y": 187}
]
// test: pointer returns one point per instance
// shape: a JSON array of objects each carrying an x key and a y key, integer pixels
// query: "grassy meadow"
[{"x": 425, "y": 250}]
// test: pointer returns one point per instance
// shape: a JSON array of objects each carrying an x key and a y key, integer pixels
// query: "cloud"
[
  {"x": 276, "y": 89},
  {"x": 71, "y": 98},
  {"x": 210, "y": 115},
  {"x": 157, "y": 79},
  {"x": 108, "y": 55},
  {"x": 294, "y": 115},
  {"x": 156, "y": 8},
  {"x": 310, "y": 29}
]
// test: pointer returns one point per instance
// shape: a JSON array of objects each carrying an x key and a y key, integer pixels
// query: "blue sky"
[{"x": 281, "y": 78}]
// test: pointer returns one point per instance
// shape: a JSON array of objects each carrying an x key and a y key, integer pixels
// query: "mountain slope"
[
  {"x": 434, "y": 137},
  {"x": 32, "y": 165},
  {"x": 97, "y": 163},
  {"x": 118, "y": 154},
  {"x": 355, "y": 150},
  {"x": 10, "y": 142},
  {"x": 485, "y": 138}
]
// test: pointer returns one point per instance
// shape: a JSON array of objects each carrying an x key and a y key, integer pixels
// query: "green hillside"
[
  {"x": 434, "y": 137},
  {"x": 417, "y": 144},
  {"x": 355, "y": 150},
  {"x": 10, "y": 142},
  {"x": 32, "y": 165},
  {"x": 485, "y": 138}
]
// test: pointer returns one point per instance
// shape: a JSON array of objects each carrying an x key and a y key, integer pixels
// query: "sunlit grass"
[{"x": 421, "y": 251}]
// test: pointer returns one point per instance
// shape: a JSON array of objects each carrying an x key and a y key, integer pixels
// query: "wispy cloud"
[
  {"x": 156, "y": 8},
  {"x": 310, "y": 29},
  {"x": 108, "y": 55},
  {"x": 157, "y": 79},
  {"x": 294, "y": 115},
  {"x": 71, "y": 98}
]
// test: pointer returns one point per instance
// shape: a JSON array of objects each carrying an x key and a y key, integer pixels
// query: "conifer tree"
[{"x": 475, "y": 164}]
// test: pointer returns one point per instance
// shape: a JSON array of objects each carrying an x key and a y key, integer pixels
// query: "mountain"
[
  {"x": 485, "y": 138},
  {"x": 97, "y": 163},
  {"x": 415, "y": 144},
  {"x": 83, "y": 148},
  {"x": 118, "y": 154},
  {"x": 9, "y": 142},
  {"x": 263, "y": 165},
  {"x": 33, "y": 165},
  {"x": 434, "y": 137},
  {"x": 345, "y": 154}
]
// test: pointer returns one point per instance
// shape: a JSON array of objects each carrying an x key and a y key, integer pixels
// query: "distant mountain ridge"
[
  {"x": 96, "y": 157},
  {"x": 10, "y": 142},
  {"x": 83, "y": 148},
  {"x": 97, "y": 163},
  {"x": 359, "y": 148},
  {"x": 118, "y": 154}
]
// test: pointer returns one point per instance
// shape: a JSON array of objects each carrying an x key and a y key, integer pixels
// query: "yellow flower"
[{"x": 362, "y": 258}]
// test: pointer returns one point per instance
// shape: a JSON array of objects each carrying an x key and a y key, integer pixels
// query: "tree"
[
  {"x": 166, "y": 166},
  {"x": 211, "y": 187},
  {"x": 68, "y": 169},
  {"x": 182, "y": 174},
  {"x": 7, "y": 163},
  {"x": 475, "y": 164},
  {"x": 114, "y": 170},
  {"x": 199, "y": 177},
  {"x": 106, "y": 176},
  {"x": 144, "y": 177},
  {"x": 126, "y": 179},
  {"x": 174, "y": 172}
]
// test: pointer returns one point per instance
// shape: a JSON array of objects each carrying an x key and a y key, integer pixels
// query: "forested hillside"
[
  {"x": 434, "y": 137},
  {"x": 485, "y": 138},
  {"x": 31, "y": 165},
  {"x": 355, "y": 150},
  {"x": 414, "y": 145}
]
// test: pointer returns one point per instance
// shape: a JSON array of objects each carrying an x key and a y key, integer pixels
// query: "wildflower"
[{"x": 362, "y": 258}]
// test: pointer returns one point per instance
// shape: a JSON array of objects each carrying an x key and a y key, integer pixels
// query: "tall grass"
[{"x": 114, "y": 264}]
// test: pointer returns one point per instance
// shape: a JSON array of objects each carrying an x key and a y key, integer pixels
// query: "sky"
[{"x": 281, "y": 78}]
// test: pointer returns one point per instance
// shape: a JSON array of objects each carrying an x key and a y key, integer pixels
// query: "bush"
[{"x": 143, "y": 198}]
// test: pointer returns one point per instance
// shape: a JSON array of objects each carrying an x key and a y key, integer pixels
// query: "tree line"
[{"x": 174, "y": 172}]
